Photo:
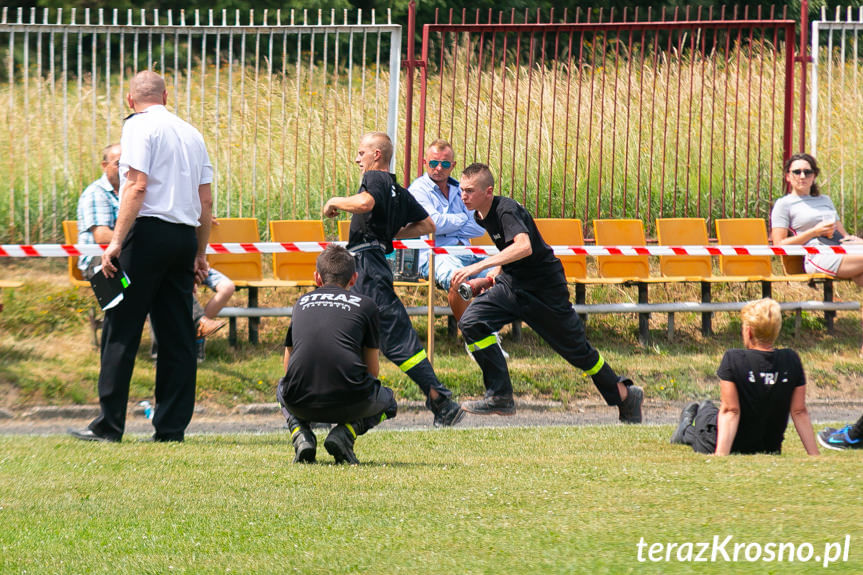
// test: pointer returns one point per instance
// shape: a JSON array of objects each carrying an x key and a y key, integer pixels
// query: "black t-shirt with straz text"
[
  {"x": 505, "y": 220},
  {"x": 765, "y": 382},
  {"x": 395, "y": 208},
  {"x": 329, "y": 329}
]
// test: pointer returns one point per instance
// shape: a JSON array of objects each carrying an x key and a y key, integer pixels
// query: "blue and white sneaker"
[{"x": 838, "y": 440}]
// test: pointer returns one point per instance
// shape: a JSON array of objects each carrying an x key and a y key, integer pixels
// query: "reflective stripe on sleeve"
[
  {"x": 483, "y": 343},
  {"x": 595, "y": 369},
  {"x": 412, "y": 362}
]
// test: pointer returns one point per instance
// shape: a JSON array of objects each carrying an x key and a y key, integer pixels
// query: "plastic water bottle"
[{"x": 148, "y": 409}]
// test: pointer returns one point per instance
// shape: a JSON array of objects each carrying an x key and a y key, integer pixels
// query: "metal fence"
[
  {"x": 281, "y": 100},
  {"x": 836, "y": 91},
  {"x": 616, "y": 119}
]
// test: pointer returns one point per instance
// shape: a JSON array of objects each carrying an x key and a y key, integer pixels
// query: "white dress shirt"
[{"x": 171, "y": 152}]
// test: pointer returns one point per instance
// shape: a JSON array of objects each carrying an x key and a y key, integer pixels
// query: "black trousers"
[
  {"x": 550, "y": 314},
  {"x": 159, "y": 258},
  {"x": 701, "y": 435},
  {"x": 399, "y": 341},
  {"x": 857, "y": 429},
  {"x": 363, "y": 415}
]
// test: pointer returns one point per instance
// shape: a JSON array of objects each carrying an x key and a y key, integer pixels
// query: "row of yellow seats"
[
  {"x": 297, "y": 268},
  {"x": 670, "y": 232}
]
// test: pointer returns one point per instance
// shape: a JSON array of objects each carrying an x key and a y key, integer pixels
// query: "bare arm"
[
  {"x": 131, "y": 199},
  {"x": 416, "y": 229},
  {"x": 287, "y": 358},
  {"x": 728, "y": 418},
  {"x": 360, "y": 203},
  {"x": 519, "y": 249},
  {"x": 370, "y": 356},
  {"x": 102, "y": 234},
  {"x": 800, "y": 417},
  {"x": 780, "y": 235},
  {"x": 205, "y": 193}
]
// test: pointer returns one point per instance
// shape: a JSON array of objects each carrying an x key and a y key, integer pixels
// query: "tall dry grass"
[{"x": 604, "y": 129}]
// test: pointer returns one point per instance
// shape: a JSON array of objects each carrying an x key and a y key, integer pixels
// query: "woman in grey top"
[{"x": 805, "y": 217}]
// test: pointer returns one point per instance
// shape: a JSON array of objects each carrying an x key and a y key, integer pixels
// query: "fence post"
[
  {"x": 410, "y": 65},
  {"x": 804, "y": 58}
]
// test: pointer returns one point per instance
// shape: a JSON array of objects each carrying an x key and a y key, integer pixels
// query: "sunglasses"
[
  {"x": 445, "y": 164},
  {"x": 806, "y": 173}
]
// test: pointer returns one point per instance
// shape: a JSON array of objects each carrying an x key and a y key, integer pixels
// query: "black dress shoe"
[
  {"x": 90, "y": 435},
  {"x": 162, "y": 439}
]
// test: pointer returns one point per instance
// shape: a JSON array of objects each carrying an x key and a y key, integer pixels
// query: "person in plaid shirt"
[{"x": 97, "y": 208}]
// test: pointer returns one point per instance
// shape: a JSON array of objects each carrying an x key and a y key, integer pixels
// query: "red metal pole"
[
  {"x": 804, "y": 59},
  {"x": 409, "y": 90}
]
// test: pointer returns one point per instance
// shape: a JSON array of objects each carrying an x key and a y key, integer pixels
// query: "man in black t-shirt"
[
  {"x": 529, "y": 285},
  {"x": 383, "y": 210},
  {"x": 331, "y": 363},
  {"x": 758, "y": 388}
]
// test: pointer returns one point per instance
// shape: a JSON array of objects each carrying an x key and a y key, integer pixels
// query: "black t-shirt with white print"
[
  {"x": 765, "y": 382},
  {"x": 328, "y": 331}
]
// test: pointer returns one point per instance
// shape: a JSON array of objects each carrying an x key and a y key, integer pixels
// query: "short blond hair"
[
  {"x": 380, "y": 141},
  {"x": 440, "y": 145},
  {"x": 765, "y": 318}
]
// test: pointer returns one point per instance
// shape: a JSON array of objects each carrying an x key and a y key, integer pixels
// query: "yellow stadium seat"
[
  {"x": 684, "y": 232},
  {"x": 565, "y": 232},
  {"x": 621, "y": 233},
  {"x": 299, "y": 266}
]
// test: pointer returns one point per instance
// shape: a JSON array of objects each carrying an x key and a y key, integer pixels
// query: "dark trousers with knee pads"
[
  {"x": 379, "y": 406},
  {"x": 399, "y": 341},
  {"x": 549, "y": 313}
]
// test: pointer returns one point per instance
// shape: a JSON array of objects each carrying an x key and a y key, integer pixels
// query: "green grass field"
[{"x": 543, "y": 500}]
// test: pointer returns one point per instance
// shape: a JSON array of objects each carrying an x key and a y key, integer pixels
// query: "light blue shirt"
[
  {"x": 454, "y": 223},
  {"x": 97, "y": 206}
]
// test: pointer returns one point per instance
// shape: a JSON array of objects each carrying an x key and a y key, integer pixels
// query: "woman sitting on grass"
[{"x": 759, "y": 386}]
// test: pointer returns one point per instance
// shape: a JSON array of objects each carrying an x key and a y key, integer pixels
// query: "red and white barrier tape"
[{"x": 63, "y": 250}]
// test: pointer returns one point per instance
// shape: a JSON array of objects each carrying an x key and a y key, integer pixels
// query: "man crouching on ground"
[
  {"x": 529, "y": 285},
  {"x": 331, "y": 363}
]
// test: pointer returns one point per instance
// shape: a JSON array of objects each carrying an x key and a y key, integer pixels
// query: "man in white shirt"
[{"x": 159, "y": 240}]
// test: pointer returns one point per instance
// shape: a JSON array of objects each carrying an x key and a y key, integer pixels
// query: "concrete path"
[{"x": 265, "y": 418}]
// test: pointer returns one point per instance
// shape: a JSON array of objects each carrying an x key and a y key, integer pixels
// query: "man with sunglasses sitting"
[{"x": 439, "y": 193}]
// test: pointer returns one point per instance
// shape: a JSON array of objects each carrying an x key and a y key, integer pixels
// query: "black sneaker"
[
  {"x": 686, "y": 418},
  {"x": 340, "y": 444},
  {"x": 630, "y": 409},
  {"x": 490, "y": 405},
  {"x": 305, "y": 445},
  {"x": 446, "y": 412}
]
